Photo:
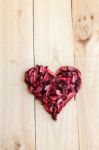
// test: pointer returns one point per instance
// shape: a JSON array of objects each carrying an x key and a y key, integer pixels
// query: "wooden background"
[{"x": 54, "y": 33}]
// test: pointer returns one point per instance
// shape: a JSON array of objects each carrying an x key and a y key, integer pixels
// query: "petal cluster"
[{"x": 54, "y": 91}]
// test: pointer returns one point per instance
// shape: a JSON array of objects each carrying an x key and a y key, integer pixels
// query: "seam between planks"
[
  {"x": 74, "y": 64},
  {"x": 78, "y": 128},
  {"x": 34, "y": 65}
]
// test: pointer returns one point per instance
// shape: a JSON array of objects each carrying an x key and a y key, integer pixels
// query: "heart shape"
[{"x": 54, "y": 91}]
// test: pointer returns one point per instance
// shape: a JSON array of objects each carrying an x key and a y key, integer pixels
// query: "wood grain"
[
  {"x": 86, "y": 41},
  {"x": 17, "y": 130},
  {"x": 53, "y": 46},
  {"x": 40, "y": 32}
]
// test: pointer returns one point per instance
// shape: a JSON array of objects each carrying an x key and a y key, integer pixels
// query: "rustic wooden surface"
[
  {"x": 86, "y": 43},
  {"x": 53, "y": 33},
  {"x": 17, "y": 126}
]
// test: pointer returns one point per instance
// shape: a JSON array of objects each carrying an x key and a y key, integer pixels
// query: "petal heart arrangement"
[{"x": 54, "y": 91}]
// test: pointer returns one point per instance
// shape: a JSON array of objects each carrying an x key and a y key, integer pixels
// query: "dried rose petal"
[{"x": 54, "y": 91}]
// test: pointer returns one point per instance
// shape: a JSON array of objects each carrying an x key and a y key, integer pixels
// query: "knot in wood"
[{"x": 83, "y": 28}]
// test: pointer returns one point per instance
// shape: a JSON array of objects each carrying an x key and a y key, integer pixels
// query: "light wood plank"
[
  {"x": 53, "y": 47},
  {"x": 86, "y": 41},
  {"x": 16, "y": 55}
]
